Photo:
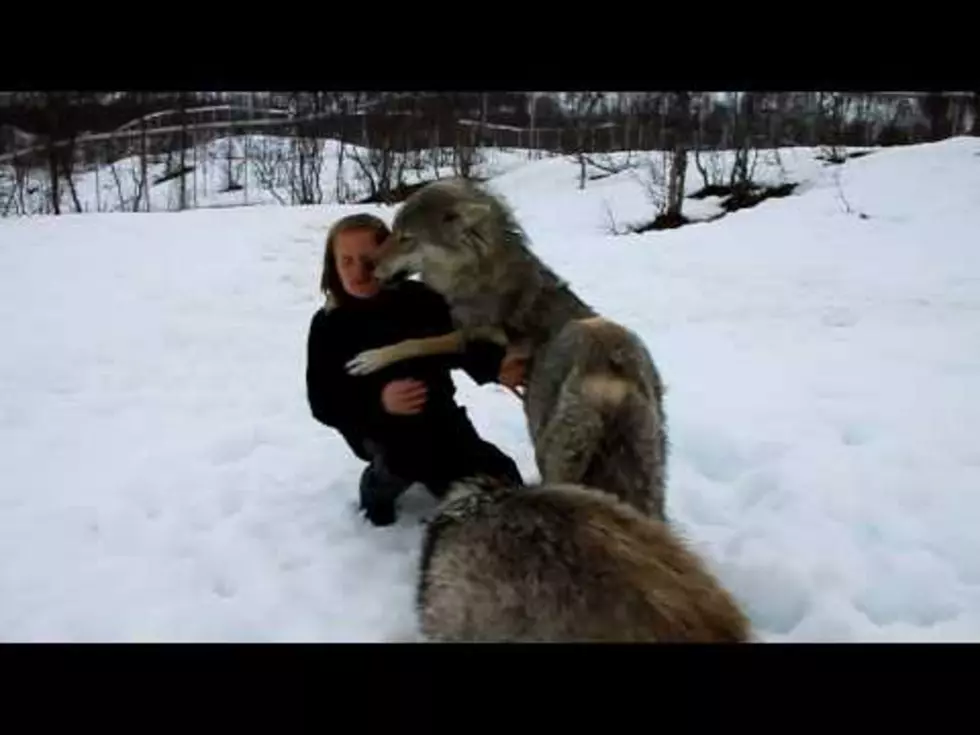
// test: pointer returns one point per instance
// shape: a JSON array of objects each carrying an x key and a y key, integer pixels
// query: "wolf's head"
[
  {"x": 441, "y": 231},
  {"x": 467, "y": 496}
]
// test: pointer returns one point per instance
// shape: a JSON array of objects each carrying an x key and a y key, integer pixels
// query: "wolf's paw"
[{"x": 367, "y": 362}]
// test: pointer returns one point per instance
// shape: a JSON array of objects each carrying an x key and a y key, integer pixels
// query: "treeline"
[
  {"x": 46, "y": 138},
  {"x": 612, "y": 120}
]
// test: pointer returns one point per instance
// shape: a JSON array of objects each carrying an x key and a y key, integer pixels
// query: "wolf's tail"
[
  {"x": 628, "y": 443},
  {"x": 604, "y": 347}
]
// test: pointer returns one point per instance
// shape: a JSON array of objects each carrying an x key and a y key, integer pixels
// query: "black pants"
[{"x": 380, "y": 487}]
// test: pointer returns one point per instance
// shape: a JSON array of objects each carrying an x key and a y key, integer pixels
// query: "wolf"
[
  {"x": 563, "y": 563},
  {"x": 593, "y": 399}
]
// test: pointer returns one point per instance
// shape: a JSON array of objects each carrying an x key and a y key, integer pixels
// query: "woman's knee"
[{"x": 379, "y": 484}]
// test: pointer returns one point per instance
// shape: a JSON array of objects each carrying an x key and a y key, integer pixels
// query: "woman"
[{"x": 403, "y": 420}]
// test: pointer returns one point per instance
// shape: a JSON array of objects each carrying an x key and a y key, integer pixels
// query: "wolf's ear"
[{"x": 471, "y": 213}]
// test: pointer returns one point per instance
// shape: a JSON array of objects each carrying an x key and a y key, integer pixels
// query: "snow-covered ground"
[{"x": 162, "y": 478}]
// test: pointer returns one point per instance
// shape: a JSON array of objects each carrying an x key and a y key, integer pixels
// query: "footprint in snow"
[
  {"x": 758, "y": 488},
  {"x": 839, "y": 317},
  {"x": 236, "y": 448},
  {"x": 913, "y": 586},
  {"x": 224, "y": 589},
  {"x": 231, "y": 502},
  {"x": 776, "y": 598},
  {"x": 294, "y": 563},
  {"x": 856, "y": 433},
  {"x": 714, "y": 456}
]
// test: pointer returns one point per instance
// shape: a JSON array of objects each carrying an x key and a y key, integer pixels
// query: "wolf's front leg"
[{"x": 371, "y": 361}]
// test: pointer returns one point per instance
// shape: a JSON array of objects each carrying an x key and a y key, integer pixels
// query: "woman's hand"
[
  {"x": 513, "y": 369},
  {"x": 404, "y": 397}
]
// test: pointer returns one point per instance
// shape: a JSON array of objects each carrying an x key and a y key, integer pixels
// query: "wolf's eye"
[{"x": 450, "y": 217}]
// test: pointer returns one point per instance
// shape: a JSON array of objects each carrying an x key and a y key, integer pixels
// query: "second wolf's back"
[{"x": 565, "y": 563}]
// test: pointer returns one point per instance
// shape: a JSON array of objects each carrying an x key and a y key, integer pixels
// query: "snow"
[{"x": 164, "y": 481}]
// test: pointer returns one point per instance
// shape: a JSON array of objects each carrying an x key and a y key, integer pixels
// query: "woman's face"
[{"x": 354, "y": 253}]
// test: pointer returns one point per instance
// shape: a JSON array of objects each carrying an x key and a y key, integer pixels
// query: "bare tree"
[
  {"x": 609, "y": 162},
  {"x": 679, "y": 136},
  {"x": 143, "y": 186},
  {"x": 182, "y": 165},
  {"x": 138, "y": 173},
  {"x": 707, "y": 159},
  {"x": 745, "y": 152},
  {"x": 55, "y": 109},
  {"x": 867, "y": 119},
  {"x": 9, "y": 198},
  {"x": 435, "y": 147},
  {"x": 532, "y": 143},
  {"x": 381, "y": 163},
  {"x": 482, "y": 130},
  {"x": 21, "y": 187},
  {"x": 345, "y": 105},
  {"x": 273, "y": 172},
  {"x": 936, "y": 106},
  {"x": 231, "y": 180},
  {"x": 833, "y": 115},
  {"x": 137, "y": 158},
  {"x": 464, "y": 138},
  {"x": 68, "y": 169},
  {"x": 656, "y": 180},
  {"x": 583, "y": 105},
  {"x": 63, "y": 130},
  {"x": 113, "y": 150},
  {"x": 307, "y": 152},
  {"x": 666, "y": 169}
]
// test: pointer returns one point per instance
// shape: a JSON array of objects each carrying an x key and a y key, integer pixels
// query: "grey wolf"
[
  {"x": 426, "y": 437},
  {"x": 593, "y": 399},
  {"x": 563, "y": 563}
]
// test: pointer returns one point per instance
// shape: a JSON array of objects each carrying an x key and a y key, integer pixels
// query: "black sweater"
[{"x": 352, "y": 404}]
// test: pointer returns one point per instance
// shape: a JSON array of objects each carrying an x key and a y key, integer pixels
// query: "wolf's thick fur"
[
  {"x": 563, "y": 563},
  {"x": 594, "y": 399}
]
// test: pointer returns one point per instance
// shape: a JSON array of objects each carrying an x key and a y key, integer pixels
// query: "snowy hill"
[{"x": 163, "y": 479}]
